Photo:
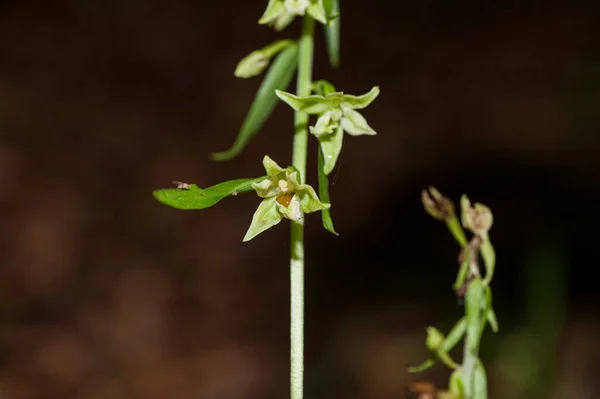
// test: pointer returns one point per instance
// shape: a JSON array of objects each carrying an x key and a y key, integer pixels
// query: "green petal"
[
  {"x": 311, "y": 104},
  {"x": 265, "y": 217},
  {"x": 317, "y": 11},
  {"x": 309, "y": 201},
  {"x": 274, "y": 9},
  {"x": 293, "y": 210},
  {"x": 323, "y": 126},
  {"x": 360, "y": 102},
  {"x": 266, "y": 188},
  {"x": 283, "y": 20},
  {"x": 355, "y": 124},
  {"x": 271, "y": 166},
  {"x": 331, "y": 146}
]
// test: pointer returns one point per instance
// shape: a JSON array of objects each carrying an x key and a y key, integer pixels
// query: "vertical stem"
[{"x": 305, "y": 65}]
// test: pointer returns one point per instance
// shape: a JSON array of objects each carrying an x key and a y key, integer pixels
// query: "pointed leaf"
[
  {"x": 332, "y": 32},
  {"x": 456, "y": 385},
  {"x": 278, "y": 77},
  {"x": 355, "y": 124},
  {"x": 314, "y": 104},
  {"x": 464, "y": 269},
  {"x": 489, "y": 259},
  {"x": 422, "y": 367},
  {"x": 197, "y": 198},
  {"x": 455, "y": 335},
  {"x": 324, "y": 195},
  {"x": 360, "y": 102},
  {"x": 491, "y": 315},
  {"x": 266, "y": 216},
  {"x": 473, "y": 300},
  {"x": 479, "y": 381}
]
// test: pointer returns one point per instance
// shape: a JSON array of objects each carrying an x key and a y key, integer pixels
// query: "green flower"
[
  {"x": 337, "y": 113},
  {"x": 284, "y": 197},
  {"x": 280, "y": 13}
]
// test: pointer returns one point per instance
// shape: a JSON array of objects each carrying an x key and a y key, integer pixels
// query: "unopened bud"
[{"x": 435, "y": 204}]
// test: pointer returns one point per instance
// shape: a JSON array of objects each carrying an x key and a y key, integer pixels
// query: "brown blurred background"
[{"x": 105, "y": 293}]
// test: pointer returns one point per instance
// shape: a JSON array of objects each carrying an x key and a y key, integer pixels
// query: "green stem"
[{"x": 305, "y": 65}]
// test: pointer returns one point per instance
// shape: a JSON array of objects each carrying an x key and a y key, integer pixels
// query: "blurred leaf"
[
  {"x": 455, "y": 335},
  {"x": 489, "y": 260},
  {"x": 324, "y": 195},
  {"x": 332, "y": 31},
  {"x": 473, "y": 301},
  {"x": 422, "y": 367},
  {"x": 464, "y": 269},
  {"x": 479, "y": 381},
  {"x": 456, "y": 385},
  {"x": 278, "y": 77},
  {"x": 197, "y": 198},
  {"x": 490, "y": 314}
]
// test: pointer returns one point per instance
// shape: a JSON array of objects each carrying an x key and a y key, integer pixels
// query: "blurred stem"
[
  {"x": 457, "y": 231},
  {"x": 299, "y": 153}
]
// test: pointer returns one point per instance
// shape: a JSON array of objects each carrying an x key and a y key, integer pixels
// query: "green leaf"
[
  {"x": 464, "y": 269},
  {"x": 422, "y": 367},
  {"x": 332, "y": 32},
  {"x": 454, "y": 336},
  {"x": 491, "y": 318},
  {"x": 456, "y": 385},
  {"x": 278, "y": 77},
  {"x": 489, "y": 259},
  {"x": 197, "y": 198},
  {"x": 490, "y": 315},
  {"x": 324, "y": 195},
  {"x": 473, "y": 301},
  {"x": 314, "y": 104},
  {"x": 479, "y": 381},
  {"x": 265, "y": 217}
]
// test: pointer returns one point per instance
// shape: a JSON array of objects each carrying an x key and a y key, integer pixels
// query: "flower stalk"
[{"x": 299, "y": 155}]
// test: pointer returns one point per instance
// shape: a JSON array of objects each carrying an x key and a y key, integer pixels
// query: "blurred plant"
[
  {"x": 468, "y": 380},
  {"x": 284, "y": 192}
]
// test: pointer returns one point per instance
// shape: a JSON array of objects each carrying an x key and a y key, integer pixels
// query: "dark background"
[{"x": 105, "y": 293}]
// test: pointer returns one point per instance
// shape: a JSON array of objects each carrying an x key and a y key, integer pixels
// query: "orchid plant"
[
  {"x": 468, "y": 380},
  {"x": 284, "y": 192}
]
